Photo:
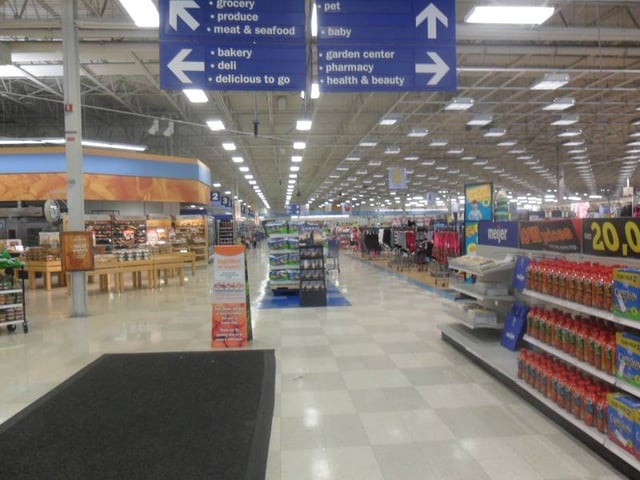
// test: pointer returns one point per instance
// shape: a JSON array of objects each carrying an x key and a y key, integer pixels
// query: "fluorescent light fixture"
[
  {"x": 392, "y": 150},
  {"x": 455, "y": 150},
  {"x": 439, "y": 142},
  {"x": 418, "y": 132},
  {"x": 560, "y": 103},
  {"x": 227, "y": 192},
  {"x": 495, "y": 132},
  {"x": 551, "y": 81},
  {"x": 374, "y": 163},
  {"x": 143, "y": 12},
  {"x": 252, "y": 182},
  {"x": 293, "y": 175},
  {"x": 513, "y": 15},
  {"x": 566, "y": 120},
  {"x": 114, "y": 146},
  {"x": 299, "y": 145},
  {"x": 573, "y": 143},
  {"x": 61, "y": 141},
  {"x": 237, "y": 159},
  {"x": 411, "y": 158},
  {"x": 243, "y": 169},
  {"x": 577, "y": 150},
  {"x": 314, "y": 20},
  {"x": 303, "y": 124},
  {"x": 229, "y": 146},
  {"x": 296, "y": 158},
  {"x": 480, "y": 120},
  {"x": 315, "y": 90},
  {"x": 216, "y": 185},
  {"x": 215, "y": 124},
  {"x": 294, "y": 168},
  {"x": 195, "y": 95},
  {"x": 459, "y": 103},
  {"x": 442, "y": 167},
  {"x": 570, "y": 132},
  {"x": 388, "y": 121},
  {"x": 368, "y": 142},
  {"x": 428, "y": 163},
  {"x": 480, "y": 162},
  {"x": 507, "y": 143},
  {"x": 352, "y": 159}
]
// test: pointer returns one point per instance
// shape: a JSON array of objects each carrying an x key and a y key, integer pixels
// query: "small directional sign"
[
  {"x": 383, "y": 69},
  {"x": 386, "y": 45},
  {"x": 237, "y": 67},
  {"x": 233, "y": 45}
]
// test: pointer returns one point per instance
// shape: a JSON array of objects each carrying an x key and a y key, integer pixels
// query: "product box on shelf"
[
  {"x": 626, "y": 293},
  {"x": 621, "y": 416},
  {"x": 628, "y": 358},
  {"x": 636, "y": 433}
]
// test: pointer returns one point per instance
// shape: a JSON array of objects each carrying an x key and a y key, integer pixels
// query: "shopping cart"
[{"x": 333, "y": 255}]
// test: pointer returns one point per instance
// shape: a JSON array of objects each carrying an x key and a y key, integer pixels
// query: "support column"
[{"x": 73, "y": 144}]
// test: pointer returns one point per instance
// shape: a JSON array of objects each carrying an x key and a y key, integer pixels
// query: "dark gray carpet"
[{"x": 178, "y": 416}]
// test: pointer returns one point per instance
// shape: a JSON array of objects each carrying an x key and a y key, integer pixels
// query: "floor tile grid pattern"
[{"x": 362, "y": 392}]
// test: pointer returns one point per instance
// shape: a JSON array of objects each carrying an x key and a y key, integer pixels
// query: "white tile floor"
[{"x": 363, "y": 392}]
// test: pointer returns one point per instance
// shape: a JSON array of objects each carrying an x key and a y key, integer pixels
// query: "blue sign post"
[
  {"x": 386, "y": 45},
  {"x": 233, "y": 45}
]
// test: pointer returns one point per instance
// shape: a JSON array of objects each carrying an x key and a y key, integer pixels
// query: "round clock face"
[{"x": 51, "y": 211}]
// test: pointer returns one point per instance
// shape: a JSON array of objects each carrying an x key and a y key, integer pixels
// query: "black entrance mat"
[{"x": 178, "y": 416}]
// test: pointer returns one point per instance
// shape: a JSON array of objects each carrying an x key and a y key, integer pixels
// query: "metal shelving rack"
[
  {"x": 491, "y": 271},
  {"x": 13, "y": 306}
]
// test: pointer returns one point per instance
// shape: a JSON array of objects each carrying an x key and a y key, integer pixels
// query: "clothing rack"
[{"x": 446, "y": 244}]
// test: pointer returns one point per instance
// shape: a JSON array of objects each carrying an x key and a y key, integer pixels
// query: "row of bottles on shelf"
[
  {"x": 569, "y": 388},
  {"x": 587, "y": 339},
  {"x": 589, "y": 284}
]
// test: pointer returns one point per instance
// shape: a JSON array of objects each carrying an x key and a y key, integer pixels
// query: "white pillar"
[{"x": 73, "y": 136}]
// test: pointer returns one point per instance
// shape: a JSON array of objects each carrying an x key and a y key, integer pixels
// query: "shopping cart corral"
[{"x": 333, "y": 255}]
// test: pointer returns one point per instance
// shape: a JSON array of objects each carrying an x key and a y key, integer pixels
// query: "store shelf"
[
  {"x": 622, "y": 385},
  {"x": 9, "y": 291},
  {"x": 576, "y": 307},
  {"x": 591, "y": 432},
  {"x": 585, "y": 367},
  {"x": 10, "y": 306},
  {"x": 283, "y": 267},
  {"x": 499, "y": 267},
  {"x": 467, "y": 289},
  {"x": 485, "y": 349}
]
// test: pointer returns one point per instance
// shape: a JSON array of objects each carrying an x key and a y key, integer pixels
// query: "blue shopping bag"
[
  {"x": 514, "y": 326},
  {"x": 520, "y": 272}
]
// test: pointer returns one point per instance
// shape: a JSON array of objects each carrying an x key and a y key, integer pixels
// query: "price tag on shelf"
[{"x": 611, "y": 237}]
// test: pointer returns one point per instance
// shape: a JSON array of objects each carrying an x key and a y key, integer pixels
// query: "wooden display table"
[
  {"x": 32, "y": 267},
  {"x": 189, "y": 257},
  {"x": 117, "y": 270},
  {"x": 164, "y": 265}
]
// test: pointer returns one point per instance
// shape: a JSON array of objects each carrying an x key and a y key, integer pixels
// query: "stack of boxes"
[{"x": 623, "y": 411}]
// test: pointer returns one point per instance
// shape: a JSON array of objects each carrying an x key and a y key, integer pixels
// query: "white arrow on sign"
[
  {"x": 178, "y": 65},
  {"x": 178, "y": 9},
  {"x": 431, "y": 14},
  {"x": 439, "y": 68}
]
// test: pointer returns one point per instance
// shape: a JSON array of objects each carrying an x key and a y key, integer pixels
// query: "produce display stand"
[{"x": 46, "y": 268}]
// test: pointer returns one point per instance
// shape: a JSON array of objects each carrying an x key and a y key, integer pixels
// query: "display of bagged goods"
[
  {"x": 277, "y": 243},
  {"x": 278, "y": 275},
  {"x": 293, "y": 274},
  {"x": 294, "y": 258},
  {"x": 278, "y": 259},
  {"x": 292, "y": 243}
]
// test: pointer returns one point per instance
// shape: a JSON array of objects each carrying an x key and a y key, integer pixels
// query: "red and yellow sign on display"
[{"x": 229, "y": 319}]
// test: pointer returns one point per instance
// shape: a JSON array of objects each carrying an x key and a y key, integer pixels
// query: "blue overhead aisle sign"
[
  {"x": 386, "y": 45},
  {"x": 233, "y": 44}
]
